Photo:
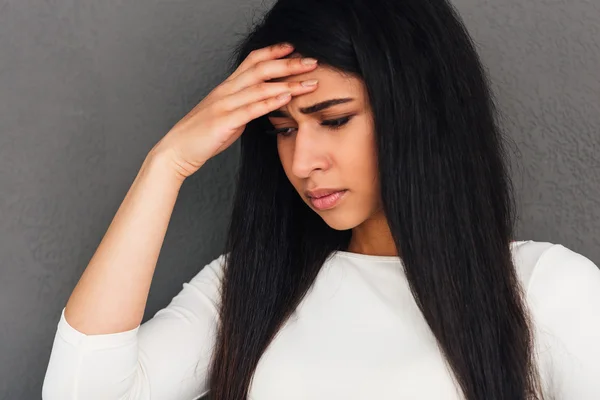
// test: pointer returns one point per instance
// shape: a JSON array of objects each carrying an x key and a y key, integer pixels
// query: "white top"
[{"x": 358, "y": 334}]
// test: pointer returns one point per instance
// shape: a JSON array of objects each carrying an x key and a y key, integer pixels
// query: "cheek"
[
  {"x": 359, "y": 152},
  {"x": 360, "y": 162},
  {"x": 361, "y": 174}
]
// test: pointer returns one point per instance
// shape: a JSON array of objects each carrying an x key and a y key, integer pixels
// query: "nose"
[{"x": 309, "y": 153}]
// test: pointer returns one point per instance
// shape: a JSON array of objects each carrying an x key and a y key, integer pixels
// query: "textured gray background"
[{"x": 87, "y": 87}]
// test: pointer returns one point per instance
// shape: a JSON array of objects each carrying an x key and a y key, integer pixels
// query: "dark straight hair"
[{"x": 445, "y": 188}]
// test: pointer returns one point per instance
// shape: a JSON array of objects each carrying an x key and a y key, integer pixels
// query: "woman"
[{"x": 370, "y": 253}]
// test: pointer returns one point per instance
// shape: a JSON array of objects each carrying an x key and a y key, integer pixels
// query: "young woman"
[{"x": 370, "y": 253}]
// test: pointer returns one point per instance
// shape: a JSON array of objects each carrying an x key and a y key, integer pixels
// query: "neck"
[{"x": 373, "y": 237}]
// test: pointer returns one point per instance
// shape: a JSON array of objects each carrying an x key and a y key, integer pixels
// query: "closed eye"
[{"x": 330, "y": 124}]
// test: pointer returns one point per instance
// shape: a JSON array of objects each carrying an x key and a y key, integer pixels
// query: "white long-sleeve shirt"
[{"x": 358, "y": 334}]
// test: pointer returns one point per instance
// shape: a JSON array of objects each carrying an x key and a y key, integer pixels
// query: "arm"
[
  {"x": 564, "y": 292},
  {"x": 107, "y": 305},
  {"x": 165, "y": 358},
  {"x": 100, "y": 351},
  {"x": 112, "y": 292}
]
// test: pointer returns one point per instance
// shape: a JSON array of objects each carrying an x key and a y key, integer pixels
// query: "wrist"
[{"x": 161, "y": 164}]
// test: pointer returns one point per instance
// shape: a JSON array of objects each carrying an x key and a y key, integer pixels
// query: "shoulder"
[
  {"x": 200, "y": 295},
  {"x": 540, "y": 265},
  {"x": 208, "y": 280},
  {"x": 563, "y": 296},
  {"x": 560, "y": 283},
  {"x": 211, "y": 271}
]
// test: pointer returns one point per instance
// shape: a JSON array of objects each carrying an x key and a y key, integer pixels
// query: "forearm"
[{"x": 112, "y": 292}]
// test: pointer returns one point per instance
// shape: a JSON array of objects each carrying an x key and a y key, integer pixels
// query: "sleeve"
[
  {"x": 165, "y": 358},
  {"x": 564, "y": 292}
]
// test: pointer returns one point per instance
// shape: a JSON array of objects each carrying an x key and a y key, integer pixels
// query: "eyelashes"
[{"x": 332, "y": 124}]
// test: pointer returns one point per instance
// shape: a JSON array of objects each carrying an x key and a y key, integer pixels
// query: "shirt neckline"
[{"x": 387, "y": 259}]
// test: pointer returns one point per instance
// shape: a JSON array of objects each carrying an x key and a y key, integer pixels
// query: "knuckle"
[
  {"x": 252, "y": 108},
  {"x": 223, "y": 88},
  {"x": 216, "y": 92},
  {"x": 218, "y": 107},
  {"x": 262, "y": 87},
  {"x": 262, "y": 71}
]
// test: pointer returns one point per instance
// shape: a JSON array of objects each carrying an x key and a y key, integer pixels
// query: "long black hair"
[{"x": 445, "y": 188}]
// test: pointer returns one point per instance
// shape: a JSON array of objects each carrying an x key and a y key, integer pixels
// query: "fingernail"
[
  {"x": 286, "y": 45},
  {"x": 309, "y": 61},
  {"x": 284, "y": 96},
  {"x": 311, "y": 82}
]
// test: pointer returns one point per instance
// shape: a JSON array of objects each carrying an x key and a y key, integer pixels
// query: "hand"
[{"x": 221, "y": 117}]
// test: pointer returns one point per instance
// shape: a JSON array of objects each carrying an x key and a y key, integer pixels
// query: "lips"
[
  {"x": 324, "y": 195},
  {"x": 316, "y": 194},
  {"x": 328, "y": 201}
]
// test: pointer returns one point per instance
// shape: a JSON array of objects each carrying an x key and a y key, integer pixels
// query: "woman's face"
[{"x": 317, "y": 156}]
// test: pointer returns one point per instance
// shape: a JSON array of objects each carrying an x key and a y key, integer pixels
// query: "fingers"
[
  {"x": 262, "y": 91},
  {"x": 263, "y": 54},
  {"x": 265, "y": 71},
  {"x": 246, "y": 113},
  {"x": 245, "y": 95}
]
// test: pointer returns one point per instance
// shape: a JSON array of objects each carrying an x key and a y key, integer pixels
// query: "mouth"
[{"x": 329, "y": 201}]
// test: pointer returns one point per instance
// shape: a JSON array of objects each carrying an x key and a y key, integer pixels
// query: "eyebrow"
[{"x": 313, "y": 108}]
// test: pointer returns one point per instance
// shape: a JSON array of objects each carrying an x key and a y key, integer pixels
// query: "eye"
[{"x": 331, "y": 124}]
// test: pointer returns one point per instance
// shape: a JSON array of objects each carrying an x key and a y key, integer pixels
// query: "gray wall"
[{"x": 87, "y": 87}]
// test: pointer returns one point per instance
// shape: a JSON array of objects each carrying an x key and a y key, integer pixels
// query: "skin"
[{"x": 315, "y": 156}]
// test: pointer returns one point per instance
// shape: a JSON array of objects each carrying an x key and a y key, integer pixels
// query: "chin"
[{"x": 337, "y": 220}]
